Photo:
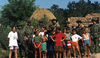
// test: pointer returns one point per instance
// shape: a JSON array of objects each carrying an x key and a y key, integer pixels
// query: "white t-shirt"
[
  {"x": 42, "y": 34},
  {"x": 13, "y": 38},
  {"x": 75, "y": 37}
]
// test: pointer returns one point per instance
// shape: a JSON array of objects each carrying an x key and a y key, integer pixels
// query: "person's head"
[
  {"x": 13, "y": 28},
  {"x": 29, "y": 23},
  {"x": 43, "y": 39},
  {"x": 67, "y": 23},
  {"x": 51, "y": 28},
  {"x": 79, "y": 22},
  {"x": 86, "y": 30},
  {"x": 64, "y": 30},
  {"x": 34, "y": 29},
  {"x": 58, "y": 29},
  {"x": 43, "y": 28},
  {"x": 54, "y": 21},
  {"x": 40, "y": 23},
  {"x": 37, "y": 31},
  {"x": 68, "y": 30},
  {"x": 94, "y": 21},
  {"x": 19, "y": 26},
  {"x": 74, "y": 31}
]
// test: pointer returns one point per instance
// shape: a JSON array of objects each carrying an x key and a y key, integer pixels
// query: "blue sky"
[{"x": 48, "y": 3}]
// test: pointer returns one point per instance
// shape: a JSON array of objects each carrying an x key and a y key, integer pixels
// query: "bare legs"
[
  {"x": 77, "y": 50},
  {"x": 10, "y": 53}
]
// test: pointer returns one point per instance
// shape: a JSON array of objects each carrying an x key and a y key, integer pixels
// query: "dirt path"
[{"x": 96, "y": 56}]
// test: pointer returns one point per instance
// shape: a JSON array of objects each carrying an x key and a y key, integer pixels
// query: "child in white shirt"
[
  {"x": 86, "y": 41},
  {"x": 75, "y": 38},
  {"x": 12, "y": 38}
]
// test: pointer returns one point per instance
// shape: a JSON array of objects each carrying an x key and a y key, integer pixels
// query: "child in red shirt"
[{"x": 58, "y": 41}]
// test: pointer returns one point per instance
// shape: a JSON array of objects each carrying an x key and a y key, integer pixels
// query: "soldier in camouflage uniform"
[
  {"x": 68, "y": 26},
  {"x": 54, "y": 21},
  {"x": 40, "y": 25},
  {"x": 95, "y": 37},
  {"x": 22, "y": 47},
  {"x": 80, "y": 30},
  {"x": 28, "y": 31}
]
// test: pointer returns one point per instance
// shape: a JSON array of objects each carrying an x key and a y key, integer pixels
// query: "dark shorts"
[
  {"x": 13, "y": 47},
  {"x": 65, "y": 45},
  {"x": 58, "y": 48},
  {"x": 43, "y": 52}
]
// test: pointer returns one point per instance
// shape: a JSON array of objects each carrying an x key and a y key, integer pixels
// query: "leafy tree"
[
  {"x": 17, "y": 10},
  {"x": 54, "y": 7}
]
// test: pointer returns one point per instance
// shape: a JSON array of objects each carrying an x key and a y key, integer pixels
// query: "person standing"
[
  {"x": 86, "y": 42},
  {"x": 58, "y": 41},
  {"x": 12, "y": 38},
  {"x": 37, "y": 43},
  {"x": 28, "y": 31},
  {"x": 68, "y": 26},
  {"x": 80, "y": 30},
  {"x": 54, "y": 22},
  {"x": 40, "y": 25},
  {"x": 50, "y": 43},
  {"x": 95, "y": 36},
  {"x": 22, "y": 47}
]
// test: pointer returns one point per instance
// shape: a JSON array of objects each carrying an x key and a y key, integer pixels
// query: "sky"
[{"x": 48, "y": 3}]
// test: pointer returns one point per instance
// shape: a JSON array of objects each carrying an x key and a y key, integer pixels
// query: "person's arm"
[
  {"x": 46, "y": 38},
  {"x": 80, "y": 38},
  {"x": 52, "y": 39},
  {"x": 35, "y": 45},
  {"x": 39, "y": 44},
  {"x": 64, "y": 38},
  {"x": 89, "y": 40},
  {"x": 17, "y": 36},
  {"x": 8, "y": 39},
  {"x": 83, "y": 39},
  {"x": 99, "y": 35},
  {"x": 85, "y": 25}
]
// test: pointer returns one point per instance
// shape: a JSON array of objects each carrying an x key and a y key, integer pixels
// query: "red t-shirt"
[{"x": 58, "y": 38}]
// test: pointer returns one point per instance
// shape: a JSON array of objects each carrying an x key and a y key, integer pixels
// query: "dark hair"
[
  {"x": 34, "y": 28},
  {"x": 67, "y": 28},
  {"x": 74, "y": 30},
  {"x": 58, "y": 28},
  {"x": 51, "y": 26},
  {"x": 43, "y": 26},
  {"x": 12, "y": 28}
]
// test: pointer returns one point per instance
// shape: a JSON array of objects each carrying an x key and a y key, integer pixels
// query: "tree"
[
  {"x": 54, "y": 7},
  {"x": 17, "y": 10}
]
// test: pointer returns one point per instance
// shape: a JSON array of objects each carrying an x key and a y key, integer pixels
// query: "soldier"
[
  {"x": 80, "y": 30},
  {"x": 40, "y": 25},
  {"x": 28, "y": 31},
  {"x": 68, "y": 26},
  {"x": 22, "y": 47},
  {"x": 95, "y": 36},
  {"x": 54, "y": 21}
]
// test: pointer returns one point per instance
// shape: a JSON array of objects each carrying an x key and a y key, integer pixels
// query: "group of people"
[{"x": 46, "y": 43}]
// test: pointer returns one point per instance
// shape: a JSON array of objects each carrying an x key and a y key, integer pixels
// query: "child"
[
  {"x": 44, "y": 47},
  {"x": 37, "y": 43},
  {"x": 86, "y": 41},
  {"x": 58, "y": 41},
  {"x": 12, "y": 38},
  {"x": 75, "y": 38},
  {"x": 43, "y": 28},
  {"x": 67, "y": 43}
]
